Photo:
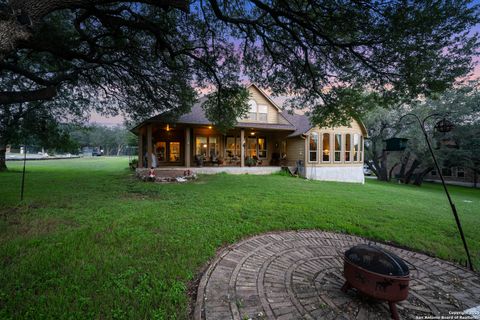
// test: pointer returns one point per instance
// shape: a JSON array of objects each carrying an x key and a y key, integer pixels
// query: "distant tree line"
[{"x": 112, "y": 140}]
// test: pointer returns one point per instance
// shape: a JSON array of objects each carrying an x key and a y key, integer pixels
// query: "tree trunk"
[
  {"x": 382, "y": 171},
  {"x": 409, "y": 173},
  {"x": 3, "y": 151},
  {"x": 391, "y": 171},
  {"x": 404, "y": 162},
  {"x": 421, "y": 175}
]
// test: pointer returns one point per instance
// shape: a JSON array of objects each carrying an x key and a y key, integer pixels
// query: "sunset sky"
[{"x": 96, "y": 118}]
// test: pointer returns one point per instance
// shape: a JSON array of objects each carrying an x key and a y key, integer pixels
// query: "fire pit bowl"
[{"x": 377, "y": 273}]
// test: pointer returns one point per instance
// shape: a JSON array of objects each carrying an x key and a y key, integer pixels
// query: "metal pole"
[
  {"x": 23, "y": 173},
  {"x": 452, "y": 205}
]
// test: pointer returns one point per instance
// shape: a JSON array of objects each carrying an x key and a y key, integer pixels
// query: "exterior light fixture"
[
  {"x": 209, "y": 127},
  {"x": 252, "y": 133},
  {"x": 168, "y": 127}
]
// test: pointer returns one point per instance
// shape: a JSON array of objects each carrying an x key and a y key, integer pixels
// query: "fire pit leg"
[
  {"x": 393, "y": 310},
  {"x": 346, "y": 286}
]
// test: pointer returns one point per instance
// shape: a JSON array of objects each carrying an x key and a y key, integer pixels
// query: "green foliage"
[
  {"x": 224, "y": 106},
  {"x": 92, "y": 241},
  {"x": 460, "y": 105}
]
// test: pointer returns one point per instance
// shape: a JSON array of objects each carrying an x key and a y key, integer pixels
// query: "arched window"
[
  {"x": 338, "y": 148},
  {"x": 326, "y": 147},
  {"x": 361, "y": 148},
  {"x": 252, "y": 110},
  {"x": 356, "y": 147},
  {"x": 348, "y": 146},
  {"x": 313, "y": 147}
]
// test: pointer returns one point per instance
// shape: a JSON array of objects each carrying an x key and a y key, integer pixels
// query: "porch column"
[
  {"x": 187, "y": 147},
  {"x": 242, "y": 148},
  {"x": 140, "y": 148},
  {"x": 149, "y": 145}
]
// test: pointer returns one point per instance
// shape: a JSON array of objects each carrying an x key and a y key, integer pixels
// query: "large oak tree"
[{"x": 142, "y": 57}]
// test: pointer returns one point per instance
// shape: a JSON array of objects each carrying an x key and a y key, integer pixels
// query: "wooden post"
[
  {"x": 149, "y": 145},
  {"x": 187, "y": 147},
  {"x": 242, "y": 148},
  {"x": 140, "y": 148}
]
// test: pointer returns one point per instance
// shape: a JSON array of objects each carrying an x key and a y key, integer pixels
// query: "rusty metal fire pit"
[{"x": 377, "y": 273}]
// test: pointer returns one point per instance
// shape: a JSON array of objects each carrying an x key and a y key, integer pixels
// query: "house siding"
[
  {"x": 295, "y": 150},
  {"x": 273, "y": 115}
]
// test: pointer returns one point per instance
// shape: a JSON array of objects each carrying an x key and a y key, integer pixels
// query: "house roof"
[
  {"x": 298, "y": 123},
  {"x": 301, "y": 123}
]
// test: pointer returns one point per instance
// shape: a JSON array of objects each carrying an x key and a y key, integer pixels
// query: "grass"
[{"x": 91, "y": 242}]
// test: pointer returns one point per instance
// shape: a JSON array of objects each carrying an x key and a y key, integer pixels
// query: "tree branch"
[{"x": 10, "y": 97}]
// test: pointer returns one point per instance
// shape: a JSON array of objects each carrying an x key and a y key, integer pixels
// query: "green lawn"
[{"x": 91, "y": 242}]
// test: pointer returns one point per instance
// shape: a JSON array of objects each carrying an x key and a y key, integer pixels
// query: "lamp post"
[{"x": 442, "y": 126}]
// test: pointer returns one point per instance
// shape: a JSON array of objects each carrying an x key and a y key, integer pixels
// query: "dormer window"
[{"x": 257, "y": 112}]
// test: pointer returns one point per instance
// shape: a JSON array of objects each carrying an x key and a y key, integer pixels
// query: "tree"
[
  {"x": 149, "y": 56},
  {"x": 113, "y": 140},
  {"x": 461, "y": 105}
]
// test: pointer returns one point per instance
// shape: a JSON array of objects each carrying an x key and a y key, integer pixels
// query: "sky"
[{"x": 112, "y": 121}]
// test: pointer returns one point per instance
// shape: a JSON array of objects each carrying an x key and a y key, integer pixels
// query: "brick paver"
[{"x": 298, "y": 275}]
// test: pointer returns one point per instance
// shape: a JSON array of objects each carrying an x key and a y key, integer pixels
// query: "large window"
[
  {"x": 174, "y": 151},
  {"x": 348, "y": 146},
  {"x": 338, "y": 147},
  {"x": 447, "y": 172},
  {"x": 257, "y": 112},
  {"x": 356, "y": 147},
  {"x": 262, "y": 148},
  {"x": 207, "y": 146},
  {"x": 251, "y": 147},
  {"x": 232, "y": 147},
  {"x": 212, "y": 147},
  {"x": 313, "y": 147},
  {"x": 201, "y": 146},
  {"x": 326, "y": 147},
  {"x": 262, "y": 113}
]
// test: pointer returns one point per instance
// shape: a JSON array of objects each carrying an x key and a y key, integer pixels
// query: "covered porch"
[{"x": 163, "y": 145}]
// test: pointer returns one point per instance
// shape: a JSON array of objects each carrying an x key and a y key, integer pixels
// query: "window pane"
[
  {"x": 252, "y": 116},
  {"x": 338, "y": 147},
  {"x": 326, "y": 147},
  {"x": 262, "y": 108},
  {"x": 251, "y": 147},
  {"x": 161, "y": 150},
  {"x": 460, "y": 172},
  {"x": 201, "y": 146},
  {"x": 174, "y": 151},
  {"x": 262, "y": 148},
  {"x": 356, "y": 147},
  {"x": 231, "y": 147},
  {"x": 348, "y": 146},
  {"x": 262, "y": 117},
  {"x": 213, "y": 147},
  {"x": 252, "y": 106},
  {"x": 447, "y": 172},
  {"x": 361, "y": 148},
  {"x": 313, "y": 146}
]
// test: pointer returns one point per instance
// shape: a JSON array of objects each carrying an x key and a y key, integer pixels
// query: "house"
[
  {"x": 456, "y": 176},
  {"x": 263, "y": 141}
]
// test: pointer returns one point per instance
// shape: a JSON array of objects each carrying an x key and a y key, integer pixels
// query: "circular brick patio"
[{"x": 298, "y": 275}]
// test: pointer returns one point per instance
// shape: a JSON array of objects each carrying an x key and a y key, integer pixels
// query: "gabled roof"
[{"x": 298, "y": 123}]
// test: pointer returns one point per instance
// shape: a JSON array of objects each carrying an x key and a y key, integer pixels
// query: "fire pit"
[{"x": 377, "y": 273}]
